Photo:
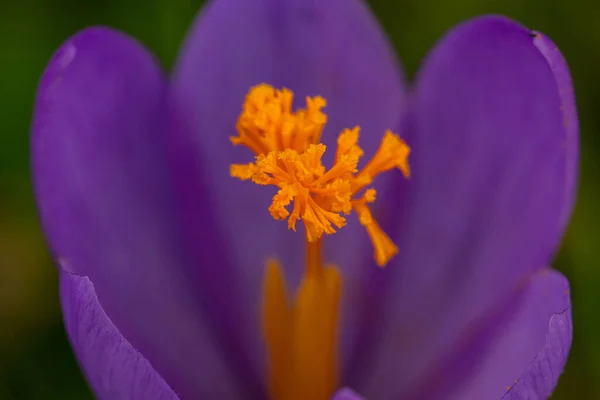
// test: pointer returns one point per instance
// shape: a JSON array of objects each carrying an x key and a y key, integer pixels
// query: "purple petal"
[
  {"x": 346, "y": 394},
  {"x": 114, "y": 369},
  {"x": 334, "y": 49},
  {"x": 102, "y": 187},
  {"x": 515, "y": 361},
  {"x": 486, "y": 205}
]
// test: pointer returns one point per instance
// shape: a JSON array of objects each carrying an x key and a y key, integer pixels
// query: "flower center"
[{"x": 301, "y": 337}]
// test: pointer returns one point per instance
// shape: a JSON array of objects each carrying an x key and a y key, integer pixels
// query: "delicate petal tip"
[
  {"x": 114, "y": 369},
  {"x": 530, "y": 347},
  {"x": 86, "y": 40},
  {"x": 566, "y": 91},
  {"x": 346, "y": 394},
  {"x": 89, "y": 40},
  {"x": 81, "y": 56},
  {"x": 541, "y": 376}
]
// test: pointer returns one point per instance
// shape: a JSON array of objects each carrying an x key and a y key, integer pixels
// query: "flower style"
[{"x": 413, "y": 263}]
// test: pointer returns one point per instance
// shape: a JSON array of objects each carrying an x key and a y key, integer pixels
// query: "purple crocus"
[{"x": 162, "y": 254}]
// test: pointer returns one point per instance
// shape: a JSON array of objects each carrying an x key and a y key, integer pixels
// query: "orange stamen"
[{"x": 288, "y": 156}]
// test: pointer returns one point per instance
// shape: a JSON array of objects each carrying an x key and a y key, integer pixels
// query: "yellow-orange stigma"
[{"x": 288, "y": 156}]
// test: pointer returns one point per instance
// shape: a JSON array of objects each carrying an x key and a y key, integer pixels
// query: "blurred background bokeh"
[{"x": 35, "y": 359}]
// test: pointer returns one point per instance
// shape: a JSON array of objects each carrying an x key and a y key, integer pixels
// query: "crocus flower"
[{"x": 176, "y": 282}]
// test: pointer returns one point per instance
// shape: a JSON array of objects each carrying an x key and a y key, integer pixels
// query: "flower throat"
[{"x": 301, "y": 336}]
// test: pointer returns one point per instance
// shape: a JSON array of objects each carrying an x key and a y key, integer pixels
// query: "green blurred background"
[{"x": 35, "y": 359}]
